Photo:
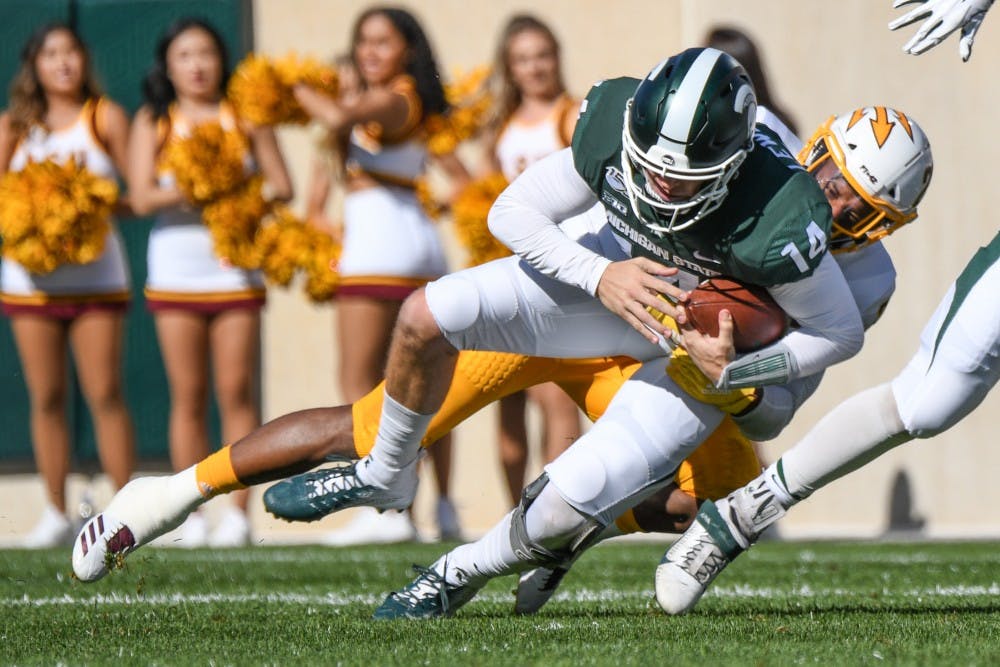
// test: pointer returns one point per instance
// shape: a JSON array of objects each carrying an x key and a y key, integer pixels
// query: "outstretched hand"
[
  {"x": 711, "y": 354},
  {"x": 630, "y": 288},
  {"x": 320, "y": 107},
  {"x": 940, "y": 19}
]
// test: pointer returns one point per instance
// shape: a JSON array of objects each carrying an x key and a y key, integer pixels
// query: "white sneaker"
[
  {"x": 52, "y": 530},
  {"x": 720, "y": 532},
  {"x": 140, "y": 512},
  {"x": 535, "y": 587},
  {"x": 447, "y": 520},
  {"x": 370, "y": 527},
  {"x": 233, "y": 529}
]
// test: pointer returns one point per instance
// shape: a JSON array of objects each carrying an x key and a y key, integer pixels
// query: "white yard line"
[{"x": 585, "y": 595}]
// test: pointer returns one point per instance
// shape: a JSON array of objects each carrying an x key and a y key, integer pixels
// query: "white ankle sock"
[
  {"x": 397, "y": 443},
  {"x": 183, "y": 491},
  {"x": 477, "y": 562}
]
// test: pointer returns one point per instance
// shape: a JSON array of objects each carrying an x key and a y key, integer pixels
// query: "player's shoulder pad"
[
  {"x": 598, "y": 134},
  {"x": 792, "y": 225}
]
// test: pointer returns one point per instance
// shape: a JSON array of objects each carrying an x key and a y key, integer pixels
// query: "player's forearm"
[
  {"x": 829, "y": 331},
  {"x": 525, "y": 217}
]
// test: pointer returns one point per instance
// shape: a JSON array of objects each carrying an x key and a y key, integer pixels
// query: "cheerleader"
[
  {"x": 57, "y": 113},
  {"x": 390, "y": 247},
  {"x": 206, "y": 310},
  {"x": 534, "y": 117}
]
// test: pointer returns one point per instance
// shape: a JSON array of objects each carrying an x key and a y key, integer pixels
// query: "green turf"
[{"x": 782, "y": 603}]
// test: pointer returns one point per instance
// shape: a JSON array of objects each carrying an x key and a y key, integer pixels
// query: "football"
[{"x": 757, "y": 319}]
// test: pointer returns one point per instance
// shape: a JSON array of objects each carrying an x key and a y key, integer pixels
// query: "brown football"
[{"x": 757, "y": 319}]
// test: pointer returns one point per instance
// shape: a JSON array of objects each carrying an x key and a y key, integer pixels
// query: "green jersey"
[{"x": 771, "y": 228}]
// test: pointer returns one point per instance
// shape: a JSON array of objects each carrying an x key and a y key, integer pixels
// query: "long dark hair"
[
  {"x": 421, "y": 64},
  {"x": 28, "y": 103},
  {"x": 508, "y": 96},
  {"x": 739, "y": 45},
  {"x": 156, "y": 87}
]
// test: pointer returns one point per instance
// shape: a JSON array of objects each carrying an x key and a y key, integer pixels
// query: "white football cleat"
[
  {"x": 140, "y": 512},
  {"x": 537, "y": 586},
  {"x": 720, "y": 532}
]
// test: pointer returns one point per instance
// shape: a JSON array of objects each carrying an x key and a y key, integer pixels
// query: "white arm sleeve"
[
  {"x": 829, "y": 331},
  {"x": 525, "y": 217},
  {"x": 829, "y": 324}
]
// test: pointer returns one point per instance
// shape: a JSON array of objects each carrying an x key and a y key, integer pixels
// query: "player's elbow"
[
  {"x": 501, "y": 216},
  {"x": 852, "y": 341}
]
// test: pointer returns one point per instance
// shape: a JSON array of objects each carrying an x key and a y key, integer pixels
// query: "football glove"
[
  {"x": 940, "y": 19},
  {"x": 689, "y": 377}
]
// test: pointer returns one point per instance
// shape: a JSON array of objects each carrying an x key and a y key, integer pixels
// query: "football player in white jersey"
[{"x": 953, "y": 370}]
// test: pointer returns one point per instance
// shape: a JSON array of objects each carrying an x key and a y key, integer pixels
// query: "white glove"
[{"x": 940, "y": 19}]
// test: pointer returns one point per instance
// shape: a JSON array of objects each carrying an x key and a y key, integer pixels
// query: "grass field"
[{"x": 782, "y": 603}]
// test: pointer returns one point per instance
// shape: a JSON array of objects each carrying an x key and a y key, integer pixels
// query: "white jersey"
[
  {"x": 104, "y": 279},
  {"x": 181, "y": 256},
  {"x": 521, "y": 144}
]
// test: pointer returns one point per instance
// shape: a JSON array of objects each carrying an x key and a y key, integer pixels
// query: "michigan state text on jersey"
[{"x": 770, "y": 228}]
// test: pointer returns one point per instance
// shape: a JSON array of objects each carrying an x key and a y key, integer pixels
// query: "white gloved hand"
[{"x": 940, "y": 19}]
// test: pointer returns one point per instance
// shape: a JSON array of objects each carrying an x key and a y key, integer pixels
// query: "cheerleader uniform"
[
  {"x": 390, "y": 247},
  {"x": 521, "y": 144},
  {"x": 71, "y": 289},
  {"x": 184, "y": 273}
]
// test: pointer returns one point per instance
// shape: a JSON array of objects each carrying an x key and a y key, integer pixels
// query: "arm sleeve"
[
  {"x": 526, "y": 215},
  {"x": 829, "y": 324},
  {"x": 829, "y": 331}
]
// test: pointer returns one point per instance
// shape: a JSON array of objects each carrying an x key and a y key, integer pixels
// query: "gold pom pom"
[
  {"x": 288, "y": 245},
  {"x": 208, "y": 163},
  {"x": 260, "y": 88},
  {"x": 53, "y": 214},
  {"x": 233, "y": 221},
  {"x": 469, "y": 212},
  {"x": 471, "y": 103}
]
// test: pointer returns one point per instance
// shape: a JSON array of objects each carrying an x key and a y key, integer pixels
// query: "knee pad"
[
  {"x": 578, "y": 534},
  {"x": 453, "y": 302}
]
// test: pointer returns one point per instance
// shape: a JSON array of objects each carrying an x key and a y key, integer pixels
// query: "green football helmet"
[{"x": 690, "y": 119}]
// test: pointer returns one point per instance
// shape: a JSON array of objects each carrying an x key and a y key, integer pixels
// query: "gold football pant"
[{"x": 723, "y": 463}]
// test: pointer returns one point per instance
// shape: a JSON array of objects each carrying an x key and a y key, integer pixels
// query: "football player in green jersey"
[{"x": 690, "y": 189}]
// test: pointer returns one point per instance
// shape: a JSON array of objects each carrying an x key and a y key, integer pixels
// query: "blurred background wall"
[{"x": 822, "y": 58}]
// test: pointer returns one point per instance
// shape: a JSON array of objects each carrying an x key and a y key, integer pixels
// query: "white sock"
[
  {"x": 397, "y": 443},
  {"x": 855, "y": 432},
  {"x": 550, "y": 522},
  {"x": 183, "y": 491},
  {"x": 477, "y": 562}
]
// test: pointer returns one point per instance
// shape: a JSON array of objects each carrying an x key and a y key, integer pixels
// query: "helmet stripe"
[{"x": 681, "y": 114}]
